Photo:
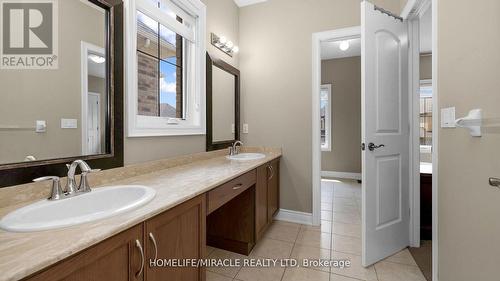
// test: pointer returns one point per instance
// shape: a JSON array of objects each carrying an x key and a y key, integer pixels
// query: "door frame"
[
  {"x": 84, "y": 141},
  {"x": 413, "y": 10},
  {"x": 317, "y": 38},
  {"x": 84, "y": 72}
]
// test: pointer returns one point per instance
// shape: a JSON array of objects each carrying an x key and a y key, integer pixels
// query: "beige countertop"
[{"x": 175, "y": 181}]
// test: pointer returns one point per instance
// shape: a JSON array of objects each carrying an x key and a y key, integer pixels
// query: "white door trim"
[
  {"x": 98, "y": 120},
  {"x": 413, "y": 11},
  {"x": 414, "y": 106},
  {"x": 317, "y": 38},
  {"x": 85, "y": 48}
]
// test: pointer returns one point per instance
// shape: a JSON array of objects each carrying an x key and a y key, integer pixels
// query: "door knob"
[{"x": 372, "y": 146}]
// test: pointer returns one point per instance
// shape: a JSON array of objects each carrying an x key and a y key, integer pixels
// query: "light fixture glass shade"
[
  {"x": 229, "y": 44},
  {"x": 236, "y": 49},
  {"x": 222, "y": 40},
  {"x": 344, "y": 45},
  {"x": 97, "y": 58}
]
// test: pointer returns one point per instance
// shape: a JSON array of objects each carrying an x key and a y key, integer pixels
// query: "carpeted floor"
[{"x": 423, "y": 258}]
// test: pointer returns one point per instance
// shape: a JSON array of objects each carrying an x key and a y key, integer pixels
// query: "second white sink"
[
  {"x": 98, "y": 204},
  {"x": 246, "y": 156}
]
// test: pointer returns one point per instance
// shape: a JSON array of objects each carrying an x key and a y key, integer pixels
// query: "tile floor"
[{"x": 338, "y": 237}]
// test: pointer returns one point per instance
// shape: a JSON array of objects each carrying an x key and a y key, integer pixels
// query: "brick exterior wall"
[{"x": 147, "y": 80}]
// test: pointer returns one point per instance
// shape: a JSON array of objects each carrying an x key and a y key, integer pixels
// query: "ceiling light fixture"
[
  {"x": 97, "y": 58},
  {"x": 344, "y": 45}
]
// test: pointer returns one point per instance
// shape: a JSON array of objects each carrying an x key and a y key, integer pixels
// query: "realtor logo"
[{"x": 28, "y": 34}]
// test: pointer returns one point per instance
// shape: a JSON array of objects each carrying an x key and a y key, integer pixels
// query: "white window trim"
[
  {"x": 143, "y": 126},
  {"x": 328, "y": 121}
]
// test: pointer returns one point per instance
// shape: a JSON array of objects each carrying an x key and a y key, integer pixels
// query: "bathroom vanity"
[{"x": 200, "y": 199}]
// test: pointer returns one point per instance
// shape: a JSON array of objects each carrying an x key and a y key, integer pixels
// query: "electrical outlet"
[{"x": 245, "y": 128}]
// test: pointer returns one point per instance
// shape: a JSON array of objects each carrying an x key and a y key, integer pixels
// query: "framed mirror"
[
  {"x": 71, "y": 109},
  {"x": 223, "y": 104}
]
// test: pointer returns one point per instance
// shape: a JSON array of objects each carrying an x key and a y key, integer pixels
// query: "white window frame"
[
  {"x": 194, "y": 13},
  {"x": 328, "y": 120},
  {"x": 425, "y": 83}
]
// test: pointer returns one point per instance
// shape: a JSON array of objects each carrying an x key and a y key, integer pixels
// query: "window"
[
  {"x": 325, "y": 119},
  {"x": 425, "y": 115},
  {"x": 165, "y": 67}
]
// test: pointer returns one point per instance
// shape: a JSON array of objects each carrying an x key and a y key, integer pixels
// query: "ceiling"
[
  {"x": 96, "y": 69},
  {"x": 426, "y": 32},
  {"x": 331, "y": 50},
  {"x": 243, "y": 3}
]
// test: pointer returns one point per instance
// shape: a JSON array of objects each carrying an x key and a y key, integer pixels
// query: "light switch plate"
[
  {"x": 69, "y": 123},
  {"x": 245, "y": 128},
  {"x": 448, "y": 117},
  {"x": 41, "y": 126}
]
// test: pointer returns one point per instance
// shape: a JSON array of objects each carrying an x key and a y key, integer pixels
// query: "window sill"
[{"x": 138, "y": 133}]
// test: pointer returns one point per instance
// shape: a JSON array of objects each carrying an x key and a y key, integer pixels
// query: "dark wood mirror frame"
[
  {"x": 210, "y": 62},
  {"x": 19, "y": 173}
]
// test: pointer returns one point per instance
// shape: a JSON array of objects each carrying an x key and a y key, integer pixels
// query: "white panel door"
[
  {"x": 385, "y": 133},
  {"x": 93, "y": 124}
]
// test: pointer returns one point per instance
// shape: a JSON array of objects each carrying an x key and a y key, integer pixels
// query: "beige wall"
[
  {"x": 425, "y": 66},
  {"x": 275, "y": 64},
  {"x": 222, "y": 18},
  {"x": 345, "y": 76},
  {"x": 30, "y": 95},
  {"x": 468, "y": 77}
]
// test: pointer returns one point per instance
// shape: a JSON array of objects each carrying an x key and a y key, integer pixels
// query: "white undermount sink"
[
  {"x": 98, "y": 204},
  {"x": 246, "y": 156}
]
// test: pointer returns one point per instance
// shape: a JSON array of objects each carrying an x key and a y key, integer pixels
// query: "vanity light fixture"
[
  {"x": 221, "y": 43},
  {"x": 344, "y": 45},
  {"x": 97, "y": 58}
]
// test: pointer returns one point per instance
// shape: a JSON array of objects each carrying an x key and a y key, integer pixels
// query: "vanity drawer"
[{"x": 224, "y": 193}]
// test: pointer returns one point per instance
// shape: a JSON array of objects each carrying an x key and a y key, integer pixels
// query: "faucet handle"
[
  {"x": 84, "y": 184},
  {"x": 56, "y": 192}
]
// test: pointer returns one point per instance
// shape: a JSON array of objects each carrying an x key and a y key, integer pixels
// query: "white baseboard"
[
  {"x": 294, "y": 216},
  {"x": 342, "y": 175}
]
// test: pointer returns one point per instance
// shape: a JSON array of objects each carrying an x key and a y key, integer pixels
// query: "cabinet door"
[
  {"x": 177, "y": 234},
  {"x": 273, "y": 183},
  {"x": 117, "y": 258},
  {"x": 261, "y": 201}
]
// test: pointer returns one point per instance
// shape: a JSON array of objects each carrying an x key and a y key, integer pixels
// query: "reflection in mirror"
[
  {"x": 48, "y": 114},
  {"x": 223, "y": 104}
]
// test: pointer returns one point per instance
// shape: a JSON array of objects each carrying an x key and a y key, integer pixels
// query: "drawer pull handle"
[
  {"x": 139, "y": 246},
  {"x": 271, "y": 171},
  {"x": 152, "y": 238},
  {"x": 238, "y": 186}
]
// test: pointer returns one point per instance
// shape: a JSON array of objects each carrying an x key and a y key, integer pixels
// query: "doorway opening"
[
  {"x": 93, "y": 95},
  {"x": 418, "y": 95}
]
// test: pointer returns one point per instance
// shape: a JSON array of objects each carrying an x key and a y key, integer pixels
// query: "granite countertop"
[{"x": 22, "y": 254}]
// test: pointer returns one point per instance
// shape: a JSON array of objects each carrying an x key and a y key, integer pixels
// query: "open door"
[{"x": 385, "y": 133}]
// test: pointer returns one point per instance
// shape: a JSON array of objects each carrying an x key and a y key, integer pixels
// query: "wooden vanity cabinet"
[
  {"x": 266, "y": 196},
  {"x": 116, "y": 258},
  {"x": 273, "y": 184},
  {"x": 177, "y": 234}
]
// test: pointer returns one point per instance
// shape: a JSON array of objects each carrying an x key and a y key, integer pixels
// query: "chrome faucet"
[
  {"x": 71, "y": 183},
  {"x": 71, "y": 189},
  {"x": 235, "y": 149}
]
